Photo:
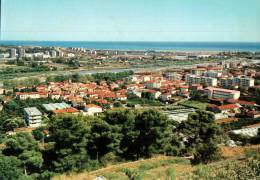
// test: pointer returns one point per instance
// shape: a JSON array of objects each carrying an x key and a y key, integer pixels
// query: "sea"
[{"x": 140, "y": 46}]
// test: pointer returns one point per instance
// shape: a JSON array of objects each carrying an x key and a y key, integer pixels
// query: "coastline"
[{"x": 144, "y": 46}]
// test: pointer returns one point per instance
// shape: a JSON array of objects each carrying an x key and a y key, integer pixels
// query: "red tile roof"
[
  {"x": 93, "y": 106},
  {"x": 68, "y": 110},
  {"x": 242, "y": 102},
  {"x": 228, "y": 106}
]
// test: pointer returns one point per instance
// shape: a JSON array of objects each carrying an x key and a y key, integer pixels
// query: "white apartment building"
[
  {"x": 226, "y": 82},
  {"x": 213, "y": 74},
  {"x": 172, "y": 76},
  {"x": 198, "y": 71},
  {"x": 219, "y": 93},
  {"x": 21, "y": 52},
  {"x": 32, "y": 116},
  {"x": 194, "y": 79},
  {"x": 53, "y": 53},
  {"x": 12, "y": 53},
  {"x": 243, "y": 82}
]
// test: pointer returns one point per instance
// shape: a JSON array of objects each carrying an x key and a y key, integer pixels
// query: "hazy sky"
[{"x": 131, "y": 20}]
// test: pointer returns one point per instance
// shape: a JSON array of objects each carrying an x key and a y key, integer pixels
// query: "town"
[
  {"x": 122, "y": 105},
  {"x": 228, "y": 88},
  {"x": 129, "y": 90}
]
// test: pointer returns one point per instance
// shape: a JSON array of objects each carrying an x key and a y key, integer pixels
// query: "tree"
[
  {"x": 19, "y": 143},
  {"x": 150, "y": 126},
  {"x": 70, "y": 135},
  {"x": 11, "y": 124},
  {"x": 122, "y": 123},
  {"x": 75, "y": 77},
  {"x": 32, "y": 161},
  {"x": 134, "y": 134},
  {"x": 38, "y": 133},
  {"x": 195, "y": 95},
  {"x": 202, "y": 136},
  {"x": 104, "y": 138},
  {"x": 148, "y": 95},
  {"x": 25, "y": 148},
  {"x": 10, "y": 168},
  {"x": 171, "y": 141},
  {"x": 117, "y": 104}
]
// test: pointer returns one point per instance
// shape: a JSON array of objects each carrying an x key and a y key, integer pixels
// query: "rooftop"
[
  {"x": 32, "y": 111},
  {"x": 55, "y": 106}
]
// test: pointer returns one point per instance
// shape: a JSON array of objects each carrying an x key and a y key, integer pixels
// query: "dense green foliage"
[
  {"x": 70, "y": 136},
  {"x": 24, "y": 147},
  {"x": 9, "y": 70},
  {"x": 112, "y": 76},
  {"x": 148, "y": 95},
  {"x": 29, "y": 82},
  {"x": 77, "y": 143},
  {"x": 202, "y": 136},
  {"x": 10, "y": 168}
]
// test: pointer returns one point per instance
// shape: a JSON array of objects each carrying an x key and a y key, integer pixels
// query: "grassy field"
[
  {"x": 161, "y": 167},
  {"x": 195, "y": 104},
  {"x": 145, "y": 102}
]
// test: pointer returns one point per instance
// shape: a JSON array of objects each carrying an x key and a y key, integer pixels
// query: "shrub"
[{"x": 170, "y": 173}]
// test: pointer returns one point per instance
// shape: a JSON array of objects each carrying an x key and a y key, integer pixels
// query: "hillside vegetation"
[{"x": 240, "y": 164}]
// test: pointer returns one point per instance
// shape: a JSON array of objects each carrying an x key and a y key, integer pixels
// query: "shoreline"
[{"x": 205, "y": 47}]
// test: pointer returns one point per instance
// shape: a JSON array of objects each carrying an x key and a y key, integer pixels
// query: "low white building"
[
  {"x": 219, "y": 93},
  {"x": 55, "y": 106},
  {"x": 2, "y": 90},
  {"x": 93, "y": 109},
  {"x": 27, "y": 95}
]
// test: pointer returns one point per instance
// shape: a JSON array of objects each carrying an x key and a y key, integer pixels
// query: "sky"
[{"x": 131, "y": 20}]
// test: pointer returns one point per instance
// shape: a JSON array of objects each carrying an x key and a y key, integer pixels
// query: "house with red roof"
[
  {"x": 230, "y": 109},
  {"x": 70, "y": 110},
  {"x": 153, "y": 84}
]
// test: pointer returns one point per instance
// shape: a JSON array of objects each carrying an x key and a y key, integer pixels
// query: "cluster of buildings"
[
  {"x": 221, "y": 86},
  {"x": 20, "y": 53},
  {"x": 218, "y": 77},
  {"x": 92, "y": 98}
]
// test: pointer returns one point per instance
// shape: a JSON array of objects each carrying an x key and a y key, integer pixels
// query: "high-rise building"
[
  {"x": 21, "y": 52},
  {"x": 12, "y": 53},
  {"x": 193, "y": 79},
  {"x": 242, "y": 82},
  {"x": 32, "y": 116},
  {"x": 53, "y": 53},
  {"x": 60, "y": 53}
]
